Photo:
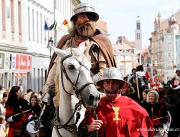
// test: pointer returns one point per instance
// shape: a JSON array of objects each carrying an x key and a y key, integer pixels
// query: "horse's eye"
[{"x": 71, "y": 67}]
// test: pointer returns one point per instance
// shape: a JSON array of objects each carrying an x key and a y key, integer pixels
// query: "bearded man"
[{"x": 98, "y": 47}]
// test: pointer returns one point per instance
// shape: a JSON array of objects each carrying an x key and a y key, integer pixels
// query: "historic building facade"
[
  {"x": 24, "y": 39},
  {"x": 165, "y": 45}
]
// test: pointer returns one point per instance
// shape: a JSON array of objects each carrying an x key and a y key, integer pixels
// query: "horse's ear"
[
  {"x": 82, "y": 46},
  {"x": 59, "y": 52}
]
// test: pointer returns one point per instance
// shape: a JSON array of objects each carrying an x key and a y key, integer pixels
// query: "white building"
[
  {"x": 124, "y": 54},
  {"x": 138, "y": 36},
  {"x": 24, "y": 56}
]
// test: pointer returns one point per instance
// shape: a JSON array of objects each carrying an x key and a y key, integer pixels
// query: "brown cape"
[{"x": 100, "y": 39}]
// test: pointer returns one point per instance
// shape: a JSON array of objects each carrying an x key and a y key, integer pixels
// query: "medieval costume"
[
  {"x": 137, "y": 83},
  {"x": 116, "y": 115},
  {"x": 121, "y": 118},
  {"x": 156, "y": 111},
  {"x": 17, "y": 113},
  {"x": 18, "y": 126}
]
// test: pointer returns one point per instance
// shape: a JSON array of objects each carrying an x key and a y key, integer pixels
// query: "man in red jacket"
[{"x": 117, "y": 116}]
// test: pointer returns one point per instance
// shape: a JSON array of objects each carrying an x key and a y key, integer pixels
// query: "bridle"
[
  {"x": 56, "y": 122},
  {"x": 75, "y": 89}
]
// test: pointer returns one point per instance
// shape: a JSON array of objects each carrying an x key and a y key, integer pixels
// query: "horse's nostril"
[
  {"x": 98, "y": 98},
  {"x": 91, "y": 97}
]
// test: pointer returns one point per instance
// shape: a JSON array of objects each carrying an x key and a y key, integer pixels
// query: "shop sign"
[
  {"x": 13, "y": 61},
  {"x": 23, "y": 62}
]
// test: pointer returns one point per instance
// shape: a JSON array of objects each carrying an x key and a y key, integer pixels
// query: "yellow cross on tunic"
[{"x": 116, "y": 113}]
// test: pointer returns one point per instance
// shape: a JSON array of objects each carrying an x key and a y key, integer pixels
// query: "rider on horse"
[{"x": 98, "y": 47}]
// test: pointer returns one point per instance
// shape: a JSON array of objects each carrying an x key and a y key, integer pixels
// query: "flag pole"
[
  {"x": 55, "y": 31},
  {"x": 137, "y": 84}
]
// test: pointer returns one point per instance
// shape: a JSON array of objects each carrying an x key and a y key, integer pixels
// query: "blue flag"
[{"x": 46, "y": 26}]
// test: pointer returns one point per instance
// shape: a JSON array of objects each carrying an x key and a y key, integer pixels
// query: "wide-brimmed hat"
[
  {"x": 87, "y": 9},
  {"x": 111, "y": 73}
]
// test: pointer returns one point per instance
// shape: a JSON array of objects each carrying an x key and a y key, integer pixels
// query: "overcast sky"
[{"x": 121, "y": 15}]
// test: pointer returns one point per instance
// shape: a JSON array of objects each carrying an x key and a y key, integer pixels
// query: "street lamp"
[{"x": 50, "y": 43}]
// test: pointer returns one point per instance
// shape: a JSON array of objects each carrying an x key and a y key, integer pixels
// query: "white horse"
[{"x": 76, "y": 91}]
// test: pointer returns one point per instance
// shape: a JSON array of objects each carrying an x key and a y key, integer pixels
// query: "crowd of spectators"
[{"x": 34, "y": 101}]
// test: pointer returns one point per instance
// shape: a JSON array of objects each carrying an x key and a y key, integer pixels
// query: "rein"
[{"x": 71, "y": 128}]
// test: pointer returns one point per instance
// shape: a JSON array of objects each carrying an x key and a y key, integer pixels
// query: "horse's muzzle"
[{"x": 90, "y": 96}]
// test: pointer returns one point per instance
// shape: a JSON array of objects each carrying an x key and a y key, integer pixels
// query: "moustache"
[{"x": 86, "y": 23}]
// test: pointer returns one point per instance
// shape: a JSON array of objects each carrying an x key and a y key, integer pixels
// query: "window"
[
  {"x": 138, "y": 35},
  {"x": 169, "y": 47},
  {"x": 44, "y": 32},
  {"x": 12, "y": 16},
  {"x": 1, "y": 78},
  {"x": 8, "y": 12},
  {"x": 38, "y": 80},
  {"x": 33, "y": 34},
  {"x": 169, "y": 55},
  {"x": 37, "y": 19},
  {"x": 34, "y": 76},
  {"x": 29, "y": 28},
  {"x": 41, "y": 37},
  {"x": 138, "y": 26},
  {"x": 3, "y": 15},
  {"x": 19, "y": 17}
]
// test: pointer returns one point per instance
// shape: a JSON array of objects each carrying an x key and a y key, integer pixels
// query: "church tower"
[{"x": 138, "y": 35}]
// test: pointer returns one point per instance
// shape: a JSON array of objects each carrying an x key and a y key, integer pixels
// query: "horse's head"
[{"x": 74, "y": 69}]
